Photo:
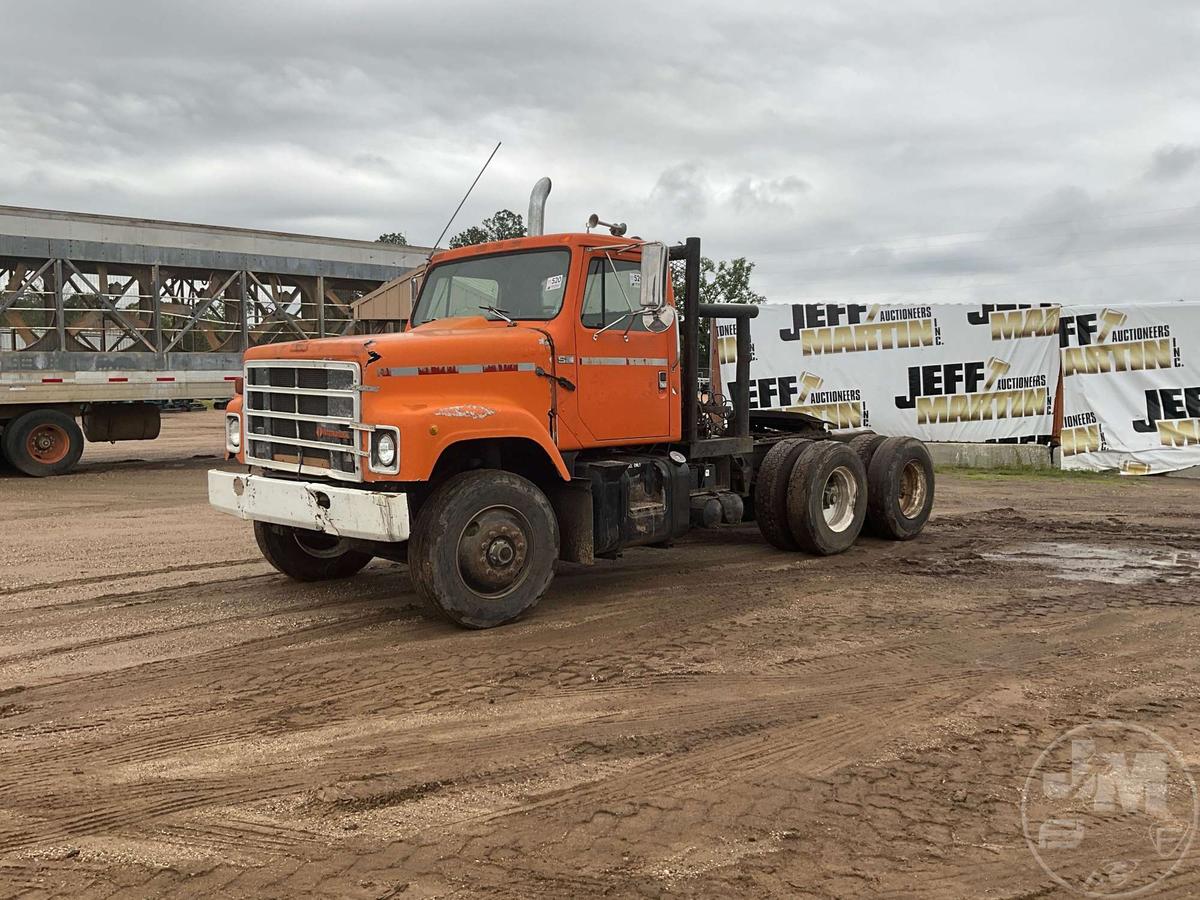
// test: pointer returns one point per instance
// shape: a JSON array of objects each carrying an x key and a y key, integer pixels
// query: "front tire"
[
  {"x": 307, "y": 555},
  {"x": 484, "y": 547},
  {"x": 43, "y": 442}
]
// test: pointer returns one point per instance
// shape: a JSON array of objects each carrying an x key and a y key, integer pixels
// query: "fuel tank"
[{"x": 636, "y": 500}]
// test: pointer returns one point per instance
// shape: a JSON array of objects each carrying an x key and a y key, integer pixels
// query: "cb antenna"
[{"x": 462, "y": 201}]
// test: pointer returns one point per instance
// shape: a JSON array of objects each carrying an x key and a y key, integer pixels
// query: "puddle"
[{"x": 1103, "y": 562}]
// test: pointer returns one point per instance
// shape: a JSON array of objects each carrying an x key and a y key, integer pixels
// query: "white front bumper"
[{"x": 341, "y": 511}]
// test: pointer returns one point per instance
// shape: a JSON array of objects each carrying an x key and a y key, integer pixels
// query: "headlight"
[
  {"x": 233, "y": 433},
  {"x": 385, "y": 449}
]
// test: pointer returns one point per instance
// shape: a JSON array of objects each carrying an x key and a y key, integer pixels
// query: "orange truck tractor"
[{"x": 542, "y": 404}]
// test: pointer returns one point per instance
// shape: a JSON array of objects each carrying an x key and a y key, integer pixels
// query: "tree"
[
  {"x": 501, "y": 226},
  {"x": 720, "y": 282},
  {"x": 392, "y": 237}
]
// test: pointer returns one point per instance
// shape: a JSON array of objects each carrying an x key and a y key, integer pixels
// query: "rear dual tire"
[
  {"x": 811, "y": 496},
  {"x": 827, "y": 498},
  {"x": 818, "y": 496},
  {"x": 771, "y": 490},
  {"x": 899, "y": 489}
]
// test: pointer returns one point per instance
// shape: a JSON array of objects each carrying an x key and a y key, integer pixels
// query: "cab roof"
[{"x": 571, "y": 240}]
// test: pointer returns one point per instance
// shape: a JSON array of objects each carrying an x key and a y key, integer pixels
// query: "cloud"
[
  {"x": 847, "y": 147},
  {"x": 1173, "y": 161},
  {"x": 682, "y": 189},
  {"x": 751, "y": 194}
]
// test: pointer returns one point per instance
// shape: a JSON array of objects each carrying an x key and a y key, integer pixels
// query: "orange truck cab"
[{"x": 542, "y": 404}]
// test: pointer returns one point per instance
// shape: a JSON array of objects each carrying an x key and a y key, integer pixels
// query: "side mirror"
[{"x": 654, "y": 276}]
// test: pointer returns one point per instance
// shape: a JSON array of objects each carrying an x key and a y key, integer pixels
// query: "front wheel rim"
[
  {"x": 48, "y": 444},
  {"x": 320, "y": 545},
  {"x": 839, "y": 497},
  {"x": 913, "y": 488},
  {"x": 493, "y": 552}
]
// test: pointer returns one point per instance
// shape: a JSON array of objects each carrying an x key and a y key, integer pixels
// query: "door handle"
[{"x": 662, "y": 381}]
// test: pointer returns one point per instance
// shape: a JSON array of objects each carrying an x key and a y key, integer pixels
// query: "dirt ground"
[{"x": 720, "y": 720}]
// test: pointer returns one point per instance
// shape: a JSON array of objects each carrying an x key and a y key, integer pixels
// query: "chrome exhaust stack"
[{"x": 537, "y": 208}]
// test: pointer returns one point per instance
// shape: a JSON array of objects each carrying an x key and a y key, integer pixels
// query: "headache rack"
[{"x": 303, "y": 416}]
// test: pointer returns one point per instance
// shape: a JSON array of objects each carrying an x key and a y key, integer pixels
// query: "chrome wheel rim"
[{"x": 839, "y": 498}]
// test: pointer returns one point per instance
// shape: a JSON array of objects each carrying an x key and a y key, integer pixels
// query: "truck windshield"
[{"x": 528, "y": 284}]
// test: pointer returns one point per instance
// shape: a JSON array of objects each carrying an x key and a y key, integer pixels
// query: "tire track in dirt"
[
  {"x": 632, "y": 736},
  {"x": 840, "y": 735},
  {"x": 128, "y": 576}
]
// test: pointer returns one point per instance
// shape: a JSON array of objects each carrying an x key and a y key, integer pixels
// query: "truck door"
[{"x": 624, "y": 379}]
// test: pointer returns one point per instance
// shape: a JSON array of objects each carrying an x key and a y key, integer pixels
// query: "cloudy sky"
[{"x": 865, "y": 150}]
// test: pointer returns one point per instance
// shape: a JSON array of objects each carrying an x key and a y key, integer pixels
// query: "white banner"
[
  {"x": 1131, "y": 387},
  {"x": 939, "y": 372}
]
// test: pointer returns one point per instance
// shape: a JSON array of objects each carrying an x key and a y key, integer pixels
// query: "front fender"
[{"x": 425, "y": 436}]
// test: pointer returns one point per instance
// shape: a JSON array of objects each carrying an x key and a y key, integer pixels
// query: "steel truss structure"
[{"x": 89, "y": 293}]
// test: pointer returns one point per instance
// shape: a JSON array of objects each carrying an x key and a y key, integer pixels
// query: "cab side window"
[{"x": 612, "y": 293}]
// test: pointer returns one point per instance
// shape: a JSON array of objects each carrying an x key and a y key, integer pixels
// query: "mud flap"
[{"x": 572, "y": 502}]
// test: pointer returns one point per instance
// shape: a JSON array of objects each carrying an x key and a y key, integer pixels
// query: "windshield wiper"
[{"x": 502, "y": 313}]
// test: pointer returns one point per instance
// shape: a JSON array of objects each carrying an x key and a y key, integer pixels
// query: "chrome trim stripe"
[
  {"x": 621, "y": 361},
  {"x": 459, "y": 369},
  {"x": 485, "y": 368}
]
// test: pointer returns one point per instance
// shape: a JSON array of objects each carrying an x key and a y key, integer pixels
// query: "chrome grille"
[{"x": 303, "y": 416}]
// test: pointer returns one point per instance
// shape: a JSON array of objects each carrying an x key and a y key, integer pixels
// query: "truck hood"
[{"x": 441, "y": 344}]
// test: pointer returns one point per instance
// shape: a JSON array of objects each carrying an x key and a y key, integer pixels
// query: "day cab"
[
  {"x": 457, "y": 444},
  {"x": 543, "y": 403}
]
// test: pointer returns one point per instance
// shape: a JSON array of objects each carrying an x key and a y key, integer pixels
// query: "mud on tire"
[
  {"x": 770, "y": 492},
  {"x": 483, "y": 549},
  {"x": 827, "y": 498},
  {"x": 307, "y": 555},
  {"x": 899, "y": 489}
]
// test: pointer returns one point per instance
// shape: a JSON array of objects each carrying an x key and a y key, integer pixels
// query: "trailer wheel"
[
  {"x": 771, "y": 492},
  {"x": 307, "y": 555},
  {"x": 827, "y": 498},
  {"x": 900, "y": 489},
  {"x": 43, "y": 442},
  {"x": 483, "y": 549},
  {"x": 865, "y": 446}
]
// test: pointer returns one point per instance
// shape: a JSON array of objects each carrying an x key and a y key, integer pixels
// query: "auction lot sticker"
[{"x": 1109, "y": 809}]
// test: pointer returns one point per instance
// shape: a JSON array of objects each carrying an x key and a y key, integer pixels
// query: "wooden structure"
[{"x": 389, "y": 306}]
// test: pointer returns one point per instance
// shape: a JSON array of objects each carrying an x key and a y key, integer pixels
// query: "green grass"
[{"x": 1028, "y": 472}]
